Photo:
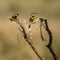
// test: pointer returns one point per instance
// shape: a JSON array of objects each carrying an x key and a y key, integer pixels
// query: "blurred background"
[{"x": 13, "y": 49}]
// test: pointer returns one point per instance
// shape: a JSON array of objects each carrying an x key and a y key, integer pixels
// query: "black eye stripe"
[{"x": 32, "y": 16}]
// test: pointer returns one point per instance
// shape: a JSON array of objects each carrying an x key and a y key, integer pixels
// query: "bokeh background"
[{"x": 13, "y": 49}]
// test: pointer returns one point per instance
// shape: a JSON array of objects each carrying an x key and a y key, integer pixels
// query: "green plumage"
[{"x": 32, "y": 17}]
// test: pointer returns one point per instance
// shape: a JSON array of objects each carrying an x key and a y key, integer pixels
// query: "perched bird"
[
  {"x": 32, "y": 17},
  {"x": 31, "y": 20},
  {"x": 14, "y": 18}
]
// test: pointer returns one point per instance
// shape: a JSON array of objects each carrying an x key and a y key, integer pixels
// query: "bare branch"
[
  {"x": 49, "y": 46},
  {"x": 41, "y": 25},
  {"x": 27, "y": 40}
]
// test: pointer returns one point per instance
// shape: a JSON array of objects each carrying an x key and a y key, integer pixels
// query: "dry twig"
[
  {"x": 28, "y": 41},
  {"x": 49, "y": 46}
]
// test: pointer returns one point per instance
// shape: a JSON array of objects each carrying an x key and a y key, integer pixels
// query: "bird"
[
  {"x": 32, "y": 17},
  {"x": 14, "y": 18}
]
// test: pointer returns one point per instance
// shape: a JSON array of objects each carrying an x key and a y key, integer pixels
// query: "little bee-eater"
[
  {"x": 31, "y": 20},
  {"x": 14, "y": 18},
  {"x": 32, "y": 17}
]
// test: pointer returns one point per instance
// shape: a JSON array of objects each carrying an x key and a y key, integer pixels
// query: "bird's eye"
[{"x": 32, "y": 16}]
